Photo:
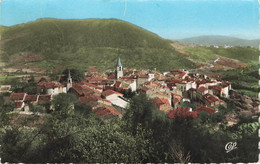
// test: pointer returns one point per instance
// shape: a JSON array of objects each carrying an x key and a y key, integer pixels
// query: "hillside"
[
  {"x": 219, "y": 40},
  {"x": 50, "y": 43}
]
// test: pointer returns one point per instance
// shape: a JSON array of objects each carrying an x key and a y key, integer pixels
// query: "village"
[{"x": 106, "y": 92}]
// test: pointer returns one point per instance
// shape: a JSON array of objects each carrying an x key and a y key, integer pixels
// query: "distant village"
[{"x": 106, "y": 92}]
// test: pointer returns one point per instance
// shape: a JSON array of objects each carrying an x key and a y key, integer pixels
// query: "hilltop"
[
  {"x": 50, "y": 44},
  {"x": 220, "y": 40}
]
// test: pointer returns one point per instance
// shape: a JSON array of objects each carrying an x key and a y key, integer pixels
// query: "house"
[
  {"x": 216, "y": 90},
  {"x": 78, "y": 90},
  {"x": 162, "y": 104},
  {"x": 225, "y": 87},
  {"x": 116, "y": 98},
  {"x": 182, "y": 113},
  {"x": 202, "y": 90},
  {"x": 211, "y": 101},
  {"x": 31, "y": 99},
  {"x": 44, "y": 99},
  {"x": 94, "y": 101},
  {"x": 176, "y": 99},
  {"x": 17, "y": 97},
  {"x": 151, "y": 76},
  {"x": 91, "y": 86},
  {"x": 51, "y": 88},
  {"x": 19, "y": 106},
  {"x": 107, "y": 113},
  {"x": 179, "y": 74},
  {"x": 95, "y": 80},
  {"x": 141, "y": 79},
  {"x": 5, "y": 88},
  {"x": 205, "y": 109},
  {"x": 129, "y": 83}
]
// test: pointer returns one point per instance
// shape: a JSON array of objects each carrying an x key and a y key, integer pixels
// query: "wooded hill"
[{"x": 81, "y": 43}]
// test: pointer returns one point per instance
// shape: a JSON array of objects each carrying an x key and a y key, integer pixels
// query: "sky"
[{"x": 170, "y": 19}]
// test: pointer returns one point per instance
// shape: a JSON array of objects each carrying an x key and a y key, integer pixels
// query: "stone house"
[
  {"x": 212, "y": 101},
  {"x": 80, "y": 91},
  {"x": 107, "y": 113},
  {"x": 141, "y": 80},
  {"x": 176, "y": 99},
  {"x": 51, "y": 88},
  {"x": 115, "y": 98},
  {"x": 162, "y": 104}
]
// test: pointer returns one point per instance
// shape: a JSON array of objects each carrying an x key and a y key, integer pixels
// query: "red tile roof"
[
  {"x": 117, "y": 84},
  {"x": 18, "y": 104},
  {"x": 143, "y": 76},
  {"x": 93, "y": 71},
  {"x": 44, "y": 98},
  {"x": 112, "y": 76},
  {"x": 175, "y": 100},
  {"x": 193, "y": 89},
  {"x": 180, "y": 75},
  {"x": 89, "y": 85},
  {"x": 224, "y": 85},
  {"x": 89, "y": 98},
  {"x": 183, "y": 113},
  {"x": 95, "y": 79},
  {"x": 175, "y": 81},
  {"x": 31, "y": 98},
  {"x": 110, "y": 92},
  {"x": 177, "y": 96},
  {"x": 82, "y": 90},
  {"x": 203, "y": 81},
  {"x": 206, "y": 109},
  {"x": 211, "y": 98},
  {"x": 159, "y": 85},
  {"x": 17, "y": 96},
  {"x": 215, "y": 87},
  {"x": 176, "y": 71},
  {"x": 50, "y": 84},
  {"x": 127, "y": 79},
  {"x": 134, "y": 76},
  {"x": 202, "y": 89},
  {"x": 102, "y": 111},
  {"x": 160, "y": 101},
  {"x": 144, "y": 88}
]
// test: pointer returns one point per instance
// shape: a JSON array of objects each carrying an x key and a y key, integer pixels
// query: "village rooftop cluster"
[{"x": 105, "y": 92}]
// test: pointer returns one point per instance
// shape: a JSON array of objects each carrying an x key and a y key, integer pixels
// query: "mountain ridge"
[
  {"x": 220, "y": 40},
  {"x": 81, "y": 43}
]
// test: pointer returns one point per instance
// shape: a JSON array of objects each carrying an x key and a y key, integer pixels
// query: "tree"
[
  {"x": 76, "y": 75},
  {"x": 64, "y": 103},
  {"x": 140, "y": 111}
]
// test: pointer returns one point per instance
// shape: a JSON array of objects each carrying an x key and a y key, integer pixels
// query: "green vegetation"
[
  {"x": 243, "y": 54},
  {"x": 245, "y": 81},
  {"x": 18, "y": 86},
  {"x": 201, "y": 54},
  {"x": 4, "y": 79},
  {"x": 206, "y": 54},
  {"x": 81, "y": 43},
  {"x": 143, "y": 135}
]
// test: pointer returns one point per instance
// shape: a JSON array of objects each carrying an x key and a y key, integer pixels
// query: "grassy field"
[
  {"x": 201, "y": 54},
  {"x": 244, "y": 80},
  {"x": 206, "y": 54},
  {"x": 4, "y": 79}
]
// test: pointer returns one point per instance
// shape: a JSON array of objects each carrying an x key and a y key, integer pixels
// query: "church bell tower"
[
  {"x": 69, "y": 81},
  {"x": 119, "y": 69}
]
